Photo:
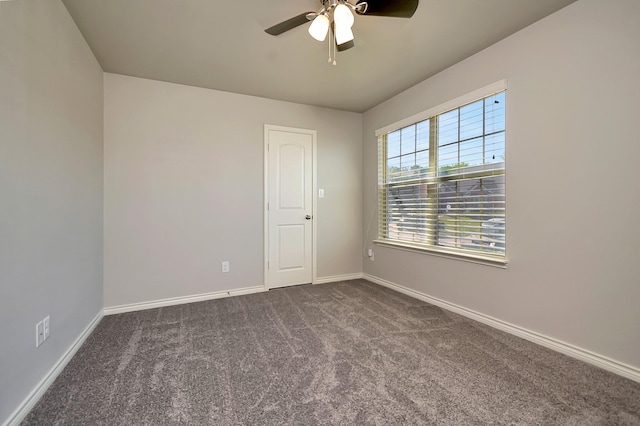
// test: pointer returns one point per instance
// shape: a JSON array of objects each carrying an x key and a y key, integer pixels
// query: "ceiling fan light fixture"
[
  {"x": 319, "y": 27},
  {"x": 342, "y": 16},
  {"x": 343, "y": 34}
]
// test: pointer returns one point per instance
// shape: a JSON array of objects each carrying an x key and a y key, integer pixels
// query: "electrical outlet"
[
  {"x": 46, "y": 324},
  {"x": 372, "y": 257},
  {"x": 39, "y": 333},
  {"x": 225, "y": 266}
]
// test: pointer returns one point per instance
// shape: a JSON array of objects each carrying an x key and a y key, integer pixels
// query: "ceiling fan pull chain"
[
  {"x": 334, "y": 49},
  {"x": 329, "y": 60}
]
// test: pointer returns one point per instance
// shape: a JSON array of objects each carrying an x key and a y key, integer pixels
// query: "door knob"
[{"x": 308, "y": 217}]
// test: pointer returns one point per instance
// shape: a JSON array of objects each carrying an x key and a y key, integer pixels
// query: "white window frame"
[{"x": 499, "y": 260}]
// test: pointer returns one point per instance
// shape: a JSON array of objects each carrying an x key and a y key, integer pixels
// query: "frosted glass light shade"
[
  {"x": 343, "y": 34},
  {"x": 342, "y": 16},
  {"x": 319, "y": 27}
]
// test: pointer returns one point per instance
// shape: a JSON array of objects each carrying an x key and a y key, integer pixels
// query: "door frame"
[{"x": 314, "y": 190}]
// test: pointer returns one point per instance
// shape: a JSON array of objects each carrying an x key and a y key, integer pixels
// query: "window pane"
[
  {"x": 406, "y": 205},
  {"x": 408, "y": 140},
  {"x": 471, "y": 214},
  {"x": 407, "y": 161},
  {"x": 493, "y": 193},
  {"x": 452, "y": 222},
  {"x": 393, "y": 169},
  {"x": 494, "y": 149},
  {"x": 471, "y": 120},
  {"x": 471, "y": 153},
  {"x": 448, "y": 127},
  {"x": 447, "y": 157},
  {"x": 492, "y": 235},
  {"x": 393, "y": 144},
  {"x": 407, "y": 165},
  {"x": 494, "y": 113},
  {"x": 422, "y": 135},
  {"x": 422, "y": 162}
]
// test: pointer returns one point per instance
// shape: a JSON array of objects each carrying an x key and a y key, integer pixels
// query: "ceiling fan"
[{"x": 335, "y": 17}]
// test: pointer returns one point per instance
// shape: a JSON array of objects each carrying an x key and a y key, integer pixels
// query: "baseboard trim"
[
  {"x": 132, "y": 307},
  {"x": 30, "y": 401},
  {"x": 335, "y": 278},
  {"x": 573, "y": 351}
]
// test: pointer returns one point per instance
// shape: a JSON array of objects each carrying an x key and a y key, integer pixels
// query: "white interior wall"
[
  {"x": 184, "y": 186},
  {"x": 50, "y": 191},
  {"x": 572, "y": 192}
]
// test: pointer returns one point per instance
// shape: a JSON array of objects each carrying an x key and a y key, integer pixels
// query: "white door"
[{"x": 289, "y": 209}]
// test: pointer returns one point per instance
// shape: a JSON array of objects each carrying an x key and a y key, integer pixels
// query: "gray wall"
[
  {"x": 184, "y": 186},
  {"x": 50, "y": 191},
  {"x": 572, "y": 193}
]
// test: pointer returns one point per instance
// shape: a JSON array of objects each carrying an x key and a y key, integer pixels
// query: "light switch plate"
[
  {"x": 39, "y": 333},
  {"x": 46, "y": 324}
]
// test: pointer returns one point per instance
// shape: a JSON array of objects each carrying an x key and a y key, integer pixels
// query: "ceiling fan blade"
[
  {"x": 289, "y": 24},
  {"x": 344, "y": 46},
  {"x": 392, "y": 8}
]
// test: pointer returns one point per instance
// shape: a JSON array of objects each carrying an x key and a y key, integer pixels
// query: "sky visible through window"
[
  {"x": 473, "y": 134},
  {"x": 468, "y": 136}
]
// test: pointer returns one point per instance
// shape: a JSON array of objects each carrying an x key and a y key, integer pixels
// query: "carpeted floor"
[{"x": 343, "y": 353}]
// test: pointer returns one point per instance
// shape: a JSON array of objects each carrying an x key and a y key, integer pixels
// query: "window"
[{"x": 442, "y": 179}]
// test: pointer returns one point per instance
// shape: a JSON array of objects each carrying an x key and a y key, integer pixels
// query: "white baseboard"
[
  {"x": 181, "y": 300},
  {"x": 30, "y": 401},
  {"x": 598, "y": 360},
  {"x": 335, "y": 278}
]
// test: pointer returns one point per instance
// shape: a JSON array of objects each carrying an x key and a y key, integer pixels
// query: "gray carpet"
[{"x": 333, "y": 354}]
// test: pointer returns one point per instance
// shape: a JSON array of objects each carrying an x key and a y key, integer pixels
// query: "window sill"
[{"x": 442, "y": 252}]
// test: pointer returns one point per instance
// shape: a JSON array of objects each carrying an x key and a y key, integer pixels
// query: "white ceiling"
[{"x": 222, "y": 45}]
